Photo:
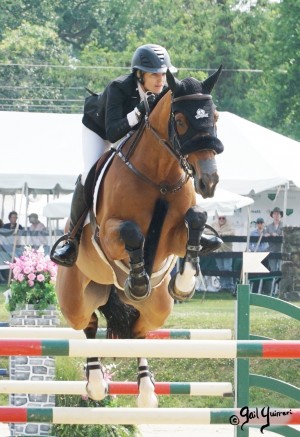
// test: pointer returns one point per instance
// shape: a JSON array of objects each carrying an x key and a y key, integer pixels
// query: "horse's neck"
[
  {"x": 155, "y": 136},
  {"x": 159, "y": 118}
]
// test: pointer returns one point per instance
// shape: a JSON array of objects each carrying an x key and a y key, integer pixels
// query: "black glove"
[{"x": 141, "y": 107}]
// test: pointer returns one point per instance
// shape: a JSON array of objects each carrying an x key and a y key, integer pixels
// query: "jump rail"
[
  {"x": 188, "y": 334},
  {"x": 138, "y": 416},
  {"x": 117, "y": 388},
  {"x": 153, "y": 349}
]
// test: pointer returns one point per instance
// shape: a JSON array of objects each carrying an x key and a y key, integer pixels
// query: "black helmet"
[{"x": 152, "y": 58}]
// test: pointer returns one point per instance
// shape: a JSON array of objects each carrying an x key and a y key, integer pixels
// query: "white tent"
[
  {"x": 43, "y": 151},
  {"x": 58, "y": 208},
  {"x": 41, "y": 154},
  {"x": 255, "y": 158},
  {"x": 224, "y": 202},
  {"x": 40, "y": 151}
]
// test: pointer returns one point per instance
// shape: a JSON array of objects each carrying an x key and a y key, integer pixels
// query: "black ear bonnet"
[{"x": 199, "y": 110}]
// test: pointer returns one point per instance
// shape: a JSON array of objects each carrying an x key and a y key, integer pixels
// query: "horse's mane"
[{"x": 160, "y": 96}]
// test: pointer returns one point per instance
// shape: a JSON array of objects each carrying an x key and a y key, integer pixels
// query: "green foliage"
[
  {"x": 41, "y": 295},
  {"x": 49, "y": 51},
  {"x": 71, "y": 370},
  {"x": 33, "y": 282}
]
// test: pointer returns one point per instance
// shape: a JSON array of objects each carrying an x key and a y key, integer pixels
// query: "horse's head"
[{"x": 192, "y": 128}]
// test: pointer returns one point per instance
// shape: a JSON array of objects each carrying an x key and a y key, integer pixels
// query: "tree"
[
  {"x": 277, "y": 98},
  {"x": 31, "y": 61}
]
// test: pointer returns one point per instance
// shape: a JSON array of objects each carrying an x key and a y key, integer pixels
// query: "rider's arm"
[{"x": 121, "y": 115}]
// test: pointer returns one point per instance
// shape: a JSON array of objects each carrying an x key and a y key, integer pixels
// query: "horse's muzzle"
[{"x": 206, "y": 185}]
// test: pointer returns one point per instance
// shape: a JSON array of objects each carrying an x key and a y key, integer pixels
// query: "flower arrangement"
[{"x": 33, "y": 280}]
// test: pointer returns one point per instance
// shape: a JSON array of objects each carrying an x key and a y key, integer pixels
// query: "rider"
[{"x": 120, "y": 109}]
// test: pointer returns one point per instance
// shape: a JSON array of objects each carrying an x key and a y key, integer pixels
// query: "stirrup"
[
  {"x": 64, "y": 237},
  {"x": 68, "y": 240}
]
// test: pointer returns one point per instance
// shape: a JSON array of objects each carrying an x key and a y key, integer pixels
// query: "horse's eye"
[{"x": 180, "y": 123}]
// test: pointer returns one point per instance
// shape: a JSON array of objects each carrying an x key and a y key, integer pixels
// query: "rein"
[{"x": 162, "y": 187}]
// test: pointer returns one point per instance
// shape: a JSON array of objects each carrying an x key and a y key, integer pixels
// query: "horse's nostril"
[{"x": 202, "y": 185}]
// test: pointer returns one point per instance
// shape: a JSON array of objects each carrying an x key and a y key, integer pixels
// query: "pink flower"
[
  {"x": 30, "y": 283},
  {"x": 20, "y": 277},
  {"x": 31, "y": 276},
  {"x": 16, "y": 271},
  {"x": 40, "y": 277},
  {"x": 27, "y": 270}
]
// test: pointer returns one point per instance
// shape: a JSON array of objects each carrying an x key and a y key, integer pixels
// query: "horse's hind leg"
[
  {"x": 96, "y": 386},
  {"x": 182, "y": 285},
  {"x": 137, "y": 285},
  {"x": 147, "y": 397}
]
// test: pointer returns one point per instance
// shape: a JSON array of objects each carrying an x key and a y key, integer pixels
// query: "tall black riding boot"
[{"x": 67, "y": 254}]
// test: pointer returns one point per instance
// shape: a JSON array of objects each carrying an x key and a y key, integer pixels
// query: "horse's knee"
[{"x": 131, "y": 235}]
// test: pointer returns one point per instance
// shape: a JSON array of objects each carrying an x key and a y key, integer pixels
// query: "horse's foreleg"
[
  {"x": 182, "y": 285},
  {"x": 147, "y": 397},
  {"x": 96, "y": 386},
  {"x": 137, "y": 285}
]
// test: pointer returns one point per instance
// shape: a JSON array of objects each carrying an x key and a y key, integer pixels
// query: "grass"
[{"x": 215, "y": 311}]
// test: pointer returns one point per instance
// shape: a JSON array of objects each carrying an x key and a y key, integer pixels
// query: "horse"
[{"x": 144, "y": 217}]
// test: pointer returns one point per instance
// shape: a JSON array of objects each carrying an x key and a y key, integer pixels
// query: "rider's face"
[{"x": 154, "y": 82}]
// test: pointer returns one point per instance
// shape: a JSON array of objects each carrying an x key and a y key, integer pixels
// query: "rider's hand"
[{"x": 140, "y": 109}]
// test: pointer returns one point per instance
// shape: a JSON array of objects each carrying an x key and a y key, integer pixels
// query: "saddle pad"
[{"x": 120, "y": 271}]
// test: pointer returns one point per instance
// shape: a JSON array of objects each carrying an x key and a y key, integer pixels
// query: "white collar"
[{"x": 141, "y": 91}]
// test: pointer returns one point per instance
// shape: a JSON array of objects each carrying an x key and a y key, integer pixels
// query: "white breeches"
[{"x": 93, "y": 147}]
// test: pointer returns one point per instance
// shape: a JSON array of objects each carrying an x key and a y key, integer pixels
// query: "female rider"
[{"x": 120, "y": 110}]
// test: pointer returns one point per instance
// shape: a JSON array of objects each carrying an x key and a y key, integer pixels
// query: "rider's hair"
[{"x": 140, "y": 76}]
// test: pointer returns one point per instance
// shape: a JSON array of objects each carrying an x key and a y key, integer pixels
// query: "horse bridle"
[{"x": 173, "y": 146}]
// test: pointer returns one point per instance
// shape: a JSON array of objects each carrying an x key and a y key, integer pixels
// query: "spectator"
[
  {"x": 12, "y": 217},
  {"x": 224, "y": 228},
  {"x": 274, "y": 229},
  {"x": 259, "y": 246},
  {"x": 260, "y": 231},
  {"x": 35, "y": 225},
  {"x": 36, "y": 229}
]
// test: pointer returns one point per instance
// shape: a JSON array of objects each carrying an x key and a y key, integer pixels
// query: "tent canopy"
[
  {"x": 224, "y": 202},
  {"x": 43, "y": 151},
  {"x": 255, "y": 158}
]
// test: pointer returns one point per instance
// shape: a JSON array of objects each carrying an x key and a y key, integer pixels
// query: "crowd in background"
[{"x": 36, "y": 234}]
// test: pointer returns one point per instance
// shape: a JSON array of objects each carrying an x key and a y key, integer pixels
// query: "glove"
[{"x": 140, "y": 109}]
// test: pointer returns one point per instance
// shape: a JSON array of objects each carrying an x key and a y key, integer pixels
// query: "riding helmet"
[{"x": 152, "y": 58}]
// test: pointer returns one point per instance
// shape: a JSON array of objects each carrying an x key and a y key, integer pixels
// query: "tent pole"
[
  {"x": 16, "y": 234},
  {"x": 2, "y": 207},
  {"x": 286, "y": 187}
]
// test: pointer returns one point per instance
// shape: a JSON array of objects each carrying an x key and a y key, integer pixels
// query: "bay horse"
[{"x": 145, "y": 217}]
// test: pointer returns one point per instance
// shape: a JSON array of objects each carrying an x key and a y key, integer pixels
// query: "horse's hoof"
[
  {"x": 137, "y": 292},
  {"x": 147, "y": 401},
  {"x": 97, "y": 392},
  {"x": 147, "y": 397},
  {"x": 96, "y": 387},
  {"x": 177, "y": 294}
]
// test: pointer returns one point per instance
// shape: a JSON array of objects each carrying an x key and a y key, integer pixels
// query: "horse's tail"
[
  {"x": 154, "y": 231},
  {"x": 119, "y": 316}
]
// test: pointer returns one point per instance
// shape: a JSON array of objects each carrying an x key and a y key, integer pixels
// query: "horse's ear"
[
  {"x": 209, "y": 83},
  {"x": 173, "y": 83}
]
